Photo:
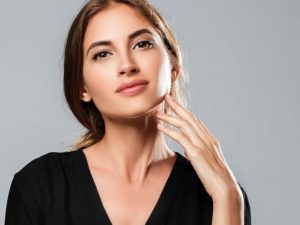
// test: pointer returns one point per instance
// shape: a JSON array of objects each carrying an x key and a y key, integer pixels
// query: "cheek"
[
  {"x": 99, "y": 83},
  {"x": 94, "y": 78},
  {"x": 164, "y": 81},
  {"x": 160, "y": 71}
]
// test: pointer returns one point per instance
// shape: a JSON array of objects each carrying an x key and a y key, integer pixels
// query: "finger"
[
  {"x": 177, "y": 108},
  {"x": 189, "y": 117},
  {"x": 207, "y": 157},
  {"x": 215, "y": 147},
  {"x": 186, "y": 115},
  {"x": 179, "y": 137},
  {"x": 201, "y": 129},
  {"x": 200, "y": 125},
  {"x": 188, "y": 130}
]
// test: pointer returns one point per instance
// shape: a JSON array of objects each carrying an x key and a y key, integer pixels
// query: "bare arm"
[
  {"x": 229, "y": 211},
  {"x": 228, "y": 201}
]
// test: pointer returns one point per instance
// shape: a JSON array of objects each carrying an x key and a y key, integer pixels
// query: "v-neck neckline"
[{"x": 95, "y": 205}]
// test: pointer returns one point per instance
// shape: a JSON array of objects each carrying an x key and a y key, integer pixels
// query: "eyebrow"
[{"x": 130, "y": 37}]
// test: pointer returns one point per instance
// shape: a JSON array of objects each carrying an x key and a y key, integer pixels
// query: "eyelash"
[{"x": 149, "y": 43}]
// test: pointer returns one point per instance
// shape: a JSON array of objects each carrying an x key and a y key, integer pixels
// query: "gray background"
[{"x": 243, "y": 59}]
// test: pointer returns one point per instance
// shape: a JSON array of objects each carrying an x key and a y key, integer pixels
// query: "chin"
[{"x": 140, "y": 108}]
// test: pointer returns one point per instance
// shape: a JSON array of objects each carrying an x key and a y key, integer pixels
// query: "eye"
[
  {"x": 101, "y": 55},
  {"x": 144, "y": 44}
]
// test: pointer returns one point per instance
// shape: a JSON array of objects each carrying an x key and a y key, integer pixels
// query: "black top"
[{"x": 58, "y": 189}]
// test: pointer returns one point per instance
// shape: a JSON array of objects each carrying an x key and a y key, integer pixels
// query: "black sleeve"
[
  {"x": 247, "y": 209},
  {"x": 21, "y": 209}
]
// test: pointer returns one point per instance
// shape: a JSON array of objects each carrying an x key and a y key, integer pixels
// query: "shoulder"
[
  {"x": 44, "y": 176},
  {"x": 44, "y": 167},
  {"x": 39, "y": 162},
  {"x": 42, "y": 180}
]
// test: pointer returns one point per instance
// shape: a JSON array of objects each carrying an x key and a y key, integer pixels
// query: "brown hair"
[{"x": 86, "y": 112}]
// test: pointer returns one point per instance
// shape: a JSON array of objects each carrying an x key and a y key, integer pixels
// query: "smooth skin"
[
  {"x": 133, "y": 153},
  {"x": 204, "y": 152}
]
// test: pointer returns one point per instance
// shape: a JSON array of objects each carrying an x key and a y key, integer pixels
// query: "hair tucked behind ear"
[{"x": 86, "y": 112}]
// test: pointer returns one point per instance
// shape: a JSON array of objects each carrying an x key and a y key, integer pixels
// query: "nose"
[{"x": 128, "y": 67}]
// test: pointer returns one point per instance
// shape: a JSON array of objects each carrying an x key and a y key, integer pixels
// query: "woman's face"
[{"x": 124, "y": 54}]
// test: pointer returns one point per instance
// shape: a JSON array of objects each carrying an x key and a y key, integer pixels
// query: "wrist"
[
  {"x": 229, "y": 209},
  {"x": 230, "y": 195}
]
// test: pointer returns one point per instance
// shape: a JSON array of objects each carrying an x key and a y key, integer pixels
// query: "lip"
[
  {"x": 127, "y": 86},
  {"x": 135, "y": 90}
]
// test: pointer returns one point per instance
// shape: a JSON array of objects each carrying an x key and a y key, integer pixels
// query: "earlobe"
[
  {"x": 174, "y": 74},
  {"x": 85, "y": 96}
]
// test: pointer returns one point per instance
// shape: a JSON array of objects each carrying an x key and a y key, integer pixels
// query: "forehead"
[{"x": 116, "y": 22}]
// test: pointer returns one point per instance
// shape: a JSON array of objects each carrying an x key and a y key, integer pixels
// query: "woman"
[{"x": 121, "y": 73}]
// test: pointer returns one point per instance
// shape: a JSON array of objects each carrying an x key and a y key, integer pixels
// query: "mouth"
[
  {"x": 131, "y": 85},
  {"x": 135, "y": 90}
]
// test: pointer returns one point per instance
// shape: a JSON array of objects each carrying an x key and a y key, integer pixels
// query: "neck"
[{"x": 131, "y": 147}]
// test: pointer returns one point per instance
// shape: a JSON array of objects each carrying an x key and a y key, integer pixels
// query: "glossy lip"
[
  {"x": 135, "y": 90},
  {"x": 129, "y": 85}
]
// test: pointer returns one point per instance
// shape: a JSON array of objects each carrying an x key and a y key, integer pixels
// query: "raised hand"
[{"x": 205, "y": 154}]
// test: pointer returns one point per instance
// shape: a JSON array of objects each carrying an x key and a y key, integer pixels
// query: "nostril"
[
  {"x": 128, "y": 69},
  {"x": 134, "y": 70}
]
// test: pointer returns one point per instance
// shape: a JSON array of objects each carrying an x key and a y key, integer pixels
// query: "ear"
[
  {"x": 175, "y": 73},
  {"x": 85, "y": 96}
]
